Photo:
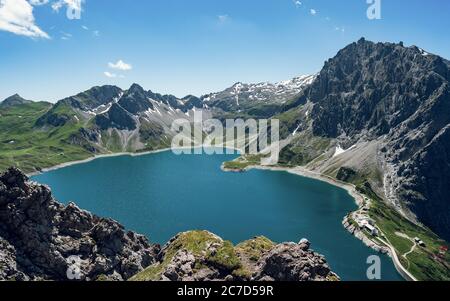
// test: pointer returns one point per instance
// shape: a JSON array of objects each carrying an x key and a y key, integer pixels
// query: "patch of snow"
[
  {"x": 423, "y": 52},
  {"x": 105, "y": 108},
  {"x": 237, "y": 90},
  {"x": 339, "y": 150},
  {"x": 150, "y": 112},
  {"x": 296, "y": 130}
]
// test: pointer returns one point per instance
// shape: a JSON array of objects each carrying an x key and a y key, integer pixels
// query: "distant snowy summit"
[{"x": 241, "y": 95}]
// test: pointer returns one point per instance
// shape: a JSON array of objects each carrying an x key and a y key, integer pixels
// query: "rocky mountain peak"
[
  {"x": 135, "y": 100},
  {"x": 135, "y": 88},
  {"x": 14, "y": 100},
  {"x": 372, "y": 87},
  {"x": 396, "y": 96}
]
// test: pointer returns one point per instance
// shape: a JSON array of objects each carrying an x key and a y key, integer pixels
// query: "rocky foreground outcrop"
[
  {"x": 41, "y": 239},
  {"x": 203, "y": 256}
]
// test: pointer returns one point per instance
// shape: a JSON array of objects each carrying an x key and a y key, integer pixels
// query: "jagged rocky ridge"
[
  {"x": 38, "y": 236},
  {"x": 138, "y": 120}
]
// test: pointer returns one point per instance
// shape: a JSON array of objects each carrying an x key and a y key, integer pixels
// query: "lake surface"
[{"x": 162, "y": 194}]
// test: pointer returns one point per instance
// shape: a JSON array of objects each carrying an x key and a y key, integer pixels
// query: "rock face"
[
  {"x": 202, "y": 256},
  {"x": 293, "y": 262},
  {"x": 41, "y": 239},
  {"x": 398, "y": 99}
]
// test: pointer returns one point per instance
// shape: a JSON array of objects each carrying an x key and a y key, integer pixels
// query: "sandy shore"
[
  {"x": 71, "y": 163},
  {"x": 303, "y": 172},
  {"x": 130, "y": 154}
]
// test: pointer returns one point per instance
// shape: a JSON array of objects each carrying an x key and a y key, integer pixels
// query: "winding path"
[{"x": 398, "y": 265}]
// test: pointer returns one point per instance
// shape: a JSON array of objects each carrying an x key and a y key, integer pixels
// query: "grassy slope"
[
  {"x": 29, "y": 148},
  {"x": 423, "y": 262}
]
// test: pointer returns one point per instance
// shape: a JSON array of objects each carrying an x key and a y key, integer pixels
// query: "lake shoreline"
[
  {"x": 95, "y": 157},
  {"x": 111, "y": 155},
  {"x": 358, "y": 198},
  {"x": 359, "y": 201}
]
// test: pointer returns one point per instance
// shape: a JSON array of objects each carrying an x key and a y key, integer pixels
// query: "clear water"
[{"x": 162, "y": 194}]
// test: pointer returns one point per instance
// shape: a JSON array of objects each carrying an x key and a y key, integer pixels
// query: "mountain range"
[{"x": 377, "y": 115}]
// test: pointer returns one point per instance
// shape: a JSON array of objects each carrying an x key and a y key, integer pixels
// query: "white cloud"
[
  {"x": 85, "y": 27},
  {"x": 96, "y": 33},
  {"x": 65, "y": 35},
  {"x": 56, "y": 6},
  {"x": 313, "y": 12},
  {"x": 38, "y": 2},
  {"x": 73, "y": 4},
  {"x": 16, "y": 16},
  {"x": 120, "y": 65},
  {"x": 223, "y": 18},
  {"x": 113, "y": 75},
  {"x": 109, "y": 74},
  {"x": 297, "y": 3}
]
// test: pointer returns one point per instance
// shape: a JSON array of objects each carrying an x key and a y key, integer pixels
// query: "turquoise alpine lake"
[{"x": 162, "y": 194}]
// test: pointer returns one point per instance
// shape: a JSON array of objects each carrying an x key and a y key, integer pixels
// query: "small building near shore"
[
  {"x": 373, "y": 231},
  {"x": 420, "y": 242}
]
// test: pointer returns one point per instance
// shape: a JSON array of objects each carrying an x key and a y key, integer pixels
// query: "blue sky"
[{"x": 194, "y": 46}]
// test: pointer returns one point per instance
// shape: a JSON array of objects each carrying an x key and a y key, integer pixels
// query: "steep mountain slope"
[
  {"x": 25, "y": 146},
  {"x": 384, "y": 111},
  {"x": 81, "y": 106}
]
